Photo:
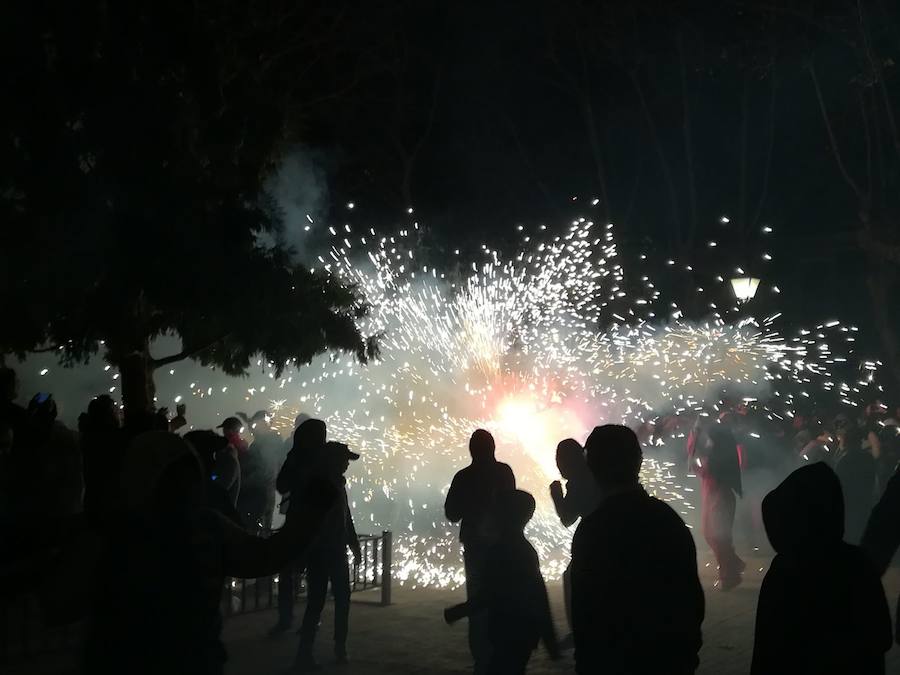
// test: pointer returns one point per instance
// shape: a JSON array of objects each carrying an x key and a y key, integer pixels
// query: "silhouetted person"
[
  {"x": 581, "y": 498},
  {"x": 714, "y": 452},
  {"x": 102, "y": 450},
  {"x": 469, "y": 500},
  {"x": 306, "y": 451},
  {"x": 637, "y": 603},
  {"x": 326, "y": 561},
  {"x": 228, "y": 466},
  {"x": 513, "y": 595},
  {"x": 821, "y": 606},
  {"x": 256, "y": 502},
  {"x": 882, "y": 536},
  {"x": 12, "y": 415},
  {"x": 208, "y": 444},
  {"x": 160, "y": 585},
  {"x": 856, "y": 470}
]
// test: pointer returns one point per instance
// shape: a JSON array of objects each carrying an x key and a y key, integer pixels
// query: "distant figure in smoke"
[
  {"x": 513, "y": 594},
  {"x": 882, "y": 536},
  {"x": 159, "y": 586},
  {"x": 327, "y": 561},
  {"x": 715, "y": 456},
  {"x": 306, "y": 452},
  {"x": 637, "y": 603},
  {"x": 581, "y": 498},
  {"x": 208, "y": 444},
  {"x": 256, "y": 502},
  {"x": 471, "y": 497},
  {"x": 856, "y": 470},
  {"x": 821, "y": 606},
  {"x": 228, "y": 466}
]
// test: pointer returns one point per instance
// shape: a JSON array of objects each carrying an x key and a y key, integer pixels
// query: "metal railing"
[
  {"x": 242, "y": 596},
  {"x": 24, "y": 634}
]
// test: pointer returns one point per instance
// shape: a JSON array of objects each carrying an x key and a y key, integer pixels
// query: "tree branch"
[
  {"x": 831, "y": 137},
  {"x": 186, "y": 353}
]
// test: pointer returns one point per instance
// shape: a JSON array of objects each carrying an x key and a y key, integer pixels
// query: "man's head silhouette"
[
  {"x": 481, "y": 445},
  {"x": 614, "y": 456}
]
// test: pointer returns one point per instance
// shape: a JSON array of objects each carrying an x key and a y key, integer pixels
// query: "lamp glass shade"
[{"x": 744, "y": 288}]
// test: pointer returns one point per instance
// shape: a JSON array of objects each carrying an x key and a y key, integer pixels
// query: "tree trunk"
[
  {"x": 138, "y": 390},
  {"x": 880, "y": 281}
]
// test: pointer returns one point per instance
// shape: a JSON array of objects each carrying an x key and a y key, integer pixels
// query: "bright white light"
[{"x": 744, "y": 288}]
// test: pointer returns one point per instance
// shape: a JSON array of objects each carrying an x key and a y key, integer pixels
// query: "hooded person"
[
  {"x": 821, "y": 606},
  {"x": 514, "y": 595},
  {"x": 326, "y": 560},
  {"x": 158, "y": 587},
  {"x": 299, "y": 465},
  {"x": 469, "y": 501}
]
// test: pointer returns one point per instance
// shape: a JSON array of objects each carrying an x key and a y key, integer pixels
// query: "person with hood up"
[
  {"x": 821, "y": 608},
  {"x": 326, "y": 561},
  {"x": 305, "y": 454},
  {"x": 714, "y": 452},
  {"x": 470, "y": 499},
  {"x": 158, "y": 587},
  {"x": 514, "y": 594}
]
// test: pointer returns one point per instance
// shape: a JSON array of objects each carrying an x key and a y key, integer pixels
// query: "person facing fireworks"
[
  {"x": 327, "y": 560},
  {"x": 471, "y": 497},
  {"x": 637, "y": 602},
  {"x": 581, "y": 498},
  {"x": 513, "y": 594},
  {"x": 821, "y": 606},
  {"x": 308, "y": 444},
  {"x": 714, "y": 453}
]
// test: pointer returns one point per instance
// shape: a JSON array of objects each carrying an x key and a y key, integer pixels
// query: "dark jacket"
[
  {"x": 514, "y": 596},
  {"x": 159, "y": 588},
  {"x": 882, "y": 537},
  {"x": 637, "y": 603},
  {"x": 821, "y": 607},
  {"x": 472, "y": 493}
]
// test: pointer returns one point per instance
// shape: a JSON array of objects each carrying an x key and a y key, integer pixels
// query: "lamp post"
[{"x": 744, "y": 288}]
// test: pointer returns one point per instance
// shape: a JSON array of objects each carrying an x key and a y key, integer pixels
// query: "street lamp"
[{"x": 744, "y": 288}]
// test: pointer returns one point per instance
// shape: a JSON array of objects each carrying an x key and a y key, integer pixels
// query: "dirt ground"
[{"x": 410, "y": 636}]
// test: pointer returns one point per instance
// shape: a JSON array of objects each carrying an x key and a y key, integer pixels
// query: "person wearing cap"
[
  {"x": 469, "y": 500},
  {"x": 327, "y": 560},
  {"x": 228, "y": 466},
  {"x": 637, "y": 603},
  {"x": 158, "y": 588}
]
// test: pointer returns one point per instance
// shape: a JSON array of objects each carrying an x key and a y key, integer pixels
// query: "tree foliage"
[{"x": 137, "y": 139}]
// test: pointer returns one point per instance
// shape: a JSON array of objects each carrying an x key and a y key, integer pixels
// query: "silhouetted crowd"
[{"x": 156, "y": 521}]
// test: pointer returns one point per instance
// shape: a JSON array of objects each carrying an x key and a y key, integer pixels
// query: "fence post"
[{"x": 386, "y": 575}]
